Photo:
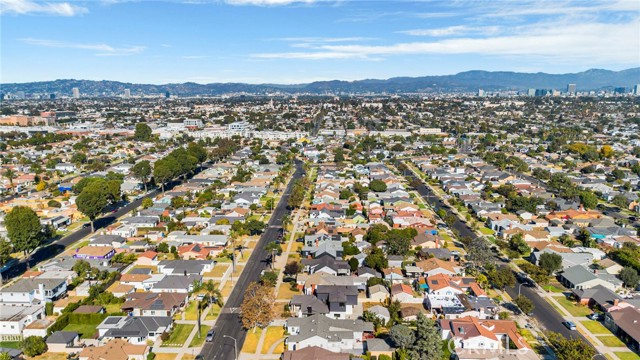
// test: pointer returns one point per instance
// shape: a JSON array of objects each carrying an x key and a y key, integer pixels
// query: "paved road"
[
  {"x": 228, "y": 322},
  {"x": 543, "y": 312},
  {"x": 58, "y": 246}
]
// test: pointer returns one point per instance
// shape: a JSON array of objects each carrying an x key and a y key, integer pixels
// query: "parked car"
[
  {"x": 210, "y": 335},
  {"x": 570, "y": 325},
  {"x": 300, "y": 240},
  {"x": 594, "y": 316}
]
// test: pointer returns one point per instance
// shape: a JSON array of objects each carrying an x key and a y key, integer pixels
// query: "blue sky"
[{"x": 288, "y": 41}]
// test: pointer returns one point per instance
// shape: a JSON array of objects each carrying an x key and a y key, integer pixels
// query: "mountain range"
[{"x": 469, "y": 81}]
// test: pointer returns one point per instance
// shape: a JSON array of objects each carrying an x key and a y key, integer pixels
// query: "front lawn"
[
  {"x": 627, "y": 355},
  {"x": 285, "y": 292},
  {"x": 197, "y": 341},
  {"x": 486, "y": 231},
  {"x": 611, "y": 341},
  {"x": 217, "y": 271},
  {"x": 251, "y": 342},
  {"x": 273, "y": 335},
  {"x": 191, "y": 311},
  {"x": 179, "y": 335},
  {"x": 595, "y": 327},
  {"x": 573, "y": 308},
  {"x": 213, "y": 312}
]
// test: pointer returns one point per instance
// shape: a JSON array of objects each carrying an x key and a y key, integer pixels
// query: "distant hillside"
[{"x": 594, "y": 79}]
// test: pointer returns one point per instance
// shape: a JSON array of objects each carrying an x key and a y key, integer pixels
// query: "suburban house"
[
  {"x": 625, "y": 323},
  {"x": 135, "y": 330},
  {"x": 33, "y": 291},
  {"x": 472, "y": 333},
  {"x": 63, "y": 342},
  {"x": 581, "y": 277},
  {"x": 313, "y": 353},
  {"x": 307, "y": 305},
  {"x": 95, "y": 252},
  {"x": 176, "y": 284},
  {"x": 13, "y": 319},
  {"x": 340, "y": 299},
  {"x": 115, "y": 350},
  {"x": 185, "y": 267},
  {"x": 154, "y": 304},
  {"x": 337, "y": 335}
]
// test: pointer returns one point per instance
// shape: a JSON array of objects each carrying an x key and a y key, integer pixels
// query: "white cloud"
[
  {"x": 452, "y": 31},
  {"x": 29, "y": 7},
  {"x": 589, "y": 44},
  {"x": 100, "y": 49}
]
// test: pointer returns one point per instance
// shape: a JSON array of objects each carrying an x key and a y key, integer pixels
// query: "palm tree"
[
  {"x": 274, "y": 248},
  {"x": 10, "y": 175},
  {"x": 214, "y": 292}
]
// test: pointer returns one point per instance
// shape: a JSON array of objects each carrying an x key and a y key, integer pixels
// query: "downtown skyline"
[{"x": 284, "y": 41}]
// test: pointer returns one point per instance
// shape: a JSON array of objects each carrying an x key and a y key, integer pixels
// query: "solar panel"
[{"x": 111, "y": 321}]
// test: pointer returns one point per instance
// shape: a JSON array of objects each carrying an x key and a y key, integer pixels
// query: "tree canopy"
[{"x": 24, "y": 229}]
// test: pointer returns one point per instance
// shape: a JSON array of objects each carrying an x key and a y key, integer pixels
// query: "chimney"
[
  {"x": 451, "y": 258},
  {"x": 437, "y": 242},
  {"x": 615, "y": 303},
  {"x": 309, "y": 310}
]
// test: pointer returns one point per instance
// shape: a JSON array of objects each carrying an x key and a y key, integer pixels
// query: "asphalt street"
[
  {"x": 543, "y": 312},
  {"x": 58, "y": 246},
  {"x": 228, "y": 326}
]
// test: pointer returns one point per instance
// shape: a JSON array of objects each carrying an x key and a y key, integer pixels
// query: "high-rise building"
[
  {"x": 620, "y": 90},
  {"x": 636, "y": 89},
  {"x": 127, "y": 93},
  {"x": 167, "y": 95},
  {"x": 76, "y": 93},
  {"x": 480, "y": 92},
  {"x": 532, "y": 92},
  {"x": 571, "y": 89},
  {"x": 52, "y": 96}
]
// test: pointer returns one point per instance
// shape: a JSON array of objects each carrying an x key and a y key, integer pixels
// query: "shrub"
[{"x": 34, "y": 346}]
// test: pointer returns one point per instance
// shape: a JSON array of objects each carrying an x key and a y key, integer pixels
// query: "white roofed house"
[
  {"x": 13, "y": 319},
  {"x": 33, "y": 291},
  {"x": 336, "y": 335}
]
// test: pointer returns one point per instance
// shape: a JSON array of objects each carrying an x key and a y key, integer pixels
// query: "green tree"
[
  {"x": 275, "y": 249},
  {"x": 376, "y": 259},
  {"x": 523, "y": 303},
  {"x": 6, "y": 249},
  {"x": 10, "y": 175},
  {"x": 163, "y": 248},
  {"x": 164, "y": 170},
  {"x": 569, "y": 348},
  {"x": 620, "y": 201},
  {"x": 501, "y": 277},
  {"x": 402, "y": 336},
  {"x": 147, "y": 203},
  {"x": 629, "y": 276},
  {"x": 588, "y": 199},
  {"x": 550, "y": 262},
  {"x": 353, "y": 264},
  {"x": 143, "y": 132},
  {"x": 142, "y": 172},
  {"x": 517, "y": 244},
  {"x": 81, "y": 267},
  {"x": 378, "y": 185},
  {"x": 24, "y": 229},
  {"x": 34, "y": 346},
  {"x": 479, "y": 251},
  {"x": 427, "y": 345},
  {"x": 91, "y": 202},
  {"x": 6, "y": 356}
]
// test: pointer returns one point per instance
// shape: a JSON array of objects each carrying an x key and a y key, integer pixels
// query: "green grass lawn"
[
  {"x": 486, "y": 231},
  {"x": 10, "y": 344},
  {"x": 611, "y": 341},
  {"x": 627, "y": 355},
  {"x": 213, "y": 312},
  {"x": 86, "y": 331},
  {"x": 113, "y": 308},
  {"x": 197, "y": 341},
  {"x": 595, "y": 327},
  {"x": 573, "y": 308},
  {"x": 553, "y": 289},
  {"x": 191, "y": 311},
  {"x": 179, "y": 335}
]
